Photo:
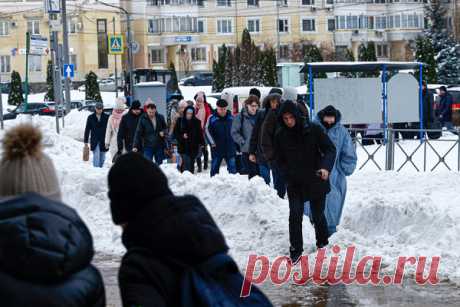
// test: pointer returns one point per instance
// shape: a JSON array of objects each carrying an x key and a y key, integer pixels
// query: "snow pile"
[{"x": 387, "y": 214}]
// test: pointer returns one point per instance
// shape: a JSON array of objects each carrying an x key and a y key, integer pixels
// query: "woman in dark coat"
[
  {"x": 189, "y": 137},
  {"x": 46, "y": 253}
]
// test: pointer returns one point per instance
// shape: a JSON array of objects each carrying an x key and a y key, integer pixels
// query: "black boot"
[{"x": 295, "y": 255}]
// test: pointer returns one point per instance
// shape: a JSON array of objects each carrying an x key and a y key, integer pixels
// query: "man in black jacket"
[
  {"x": 150, "y": 134},
  {"x": 128, "y": 126},
  {"x": 306, "y": 156},
  {"x": 95, "y": 129},
  {"x": 162, "y": 233}
]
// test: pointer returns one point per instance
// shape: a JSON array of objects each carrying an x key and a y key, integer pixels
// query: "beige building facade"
[{"x": 89, "y": 26}]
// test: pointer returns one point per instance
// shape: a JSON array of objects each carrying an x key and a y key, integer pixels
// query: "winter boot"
[{"x": 295, "y": 255}]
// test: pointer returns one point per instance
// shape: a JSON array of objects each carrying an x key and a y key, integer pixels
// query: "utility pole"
[
  {"x": 57, "y": 80},
  {"x": 27, "y": 71},
  {"x": 277, "y": 29},
  {"x": 1, "y": 106},
  {"x": 61, "y": 105},
  {"x": 65, "y": 39},
  {"x": 116, "y": 71}
]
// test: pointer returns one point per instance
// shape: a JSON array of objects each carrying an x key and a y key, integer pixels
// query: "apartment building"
[
  {"x": 189, "y": 33},
  {"x": 89, "y": 25}
]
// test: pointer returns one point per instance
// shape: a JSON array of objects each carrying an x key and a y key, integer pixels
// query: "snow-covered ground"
[{"x": 387, "y": 213}]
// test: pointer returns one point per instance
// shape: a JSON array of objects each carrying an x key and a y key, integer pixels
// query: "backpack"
[{"x": 217, "y": 282}]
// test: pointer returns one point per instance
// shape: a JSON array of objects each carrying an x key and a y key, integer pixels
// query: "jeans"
[
  {"x": 98, "y": 157},
  {"x": 216, "y": 162},
  {"x": 150, "y": 153},
  {"x": 189, "y": 163},
  {"x": 250, "y": 167},
  {"x": 296, "y": 208},
  {"x": 264, "y": 172},
  {"x": 278, "y": 181}
]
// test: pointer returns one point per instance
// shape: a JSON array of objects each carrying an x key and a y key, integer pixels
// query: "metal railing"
[{"x": 401, "y": 153}]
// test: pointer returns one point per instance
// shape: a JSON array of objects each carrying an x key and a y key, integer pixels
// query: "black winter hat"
[
  {"x": 134, "y": 182},
  {"x": 136, "y": 105},
  {"x": 329, "y": 111},
  {"x": 276, "y": 90},
  {"x": 254, "y": 91},
  {"x": 222, "y": 103}
]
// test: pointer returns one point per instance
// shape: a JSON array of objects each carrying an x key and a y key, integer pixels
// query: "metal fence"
[{"x": 420, "y": 152}]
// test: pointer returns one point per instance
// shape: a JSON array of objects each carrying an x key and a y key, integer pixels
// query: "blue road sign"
[{"x": 69, "y": 71}]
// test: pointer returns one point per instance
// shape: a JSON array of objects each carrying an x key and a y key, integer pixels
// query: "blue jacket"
[
  {"x": 345, "y": 164},
  {"x": 46, "y": 253},
  {"x": 96, "y": 128},
  {"x": 218, "y": 133}
]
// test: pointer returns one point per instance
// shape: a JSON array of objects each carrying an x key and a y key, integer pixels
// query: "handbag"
[{"x": 86, "y": 153}]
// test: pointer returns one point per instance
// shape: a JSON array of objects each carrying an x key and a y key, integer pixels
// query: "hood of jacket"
[
  {"x": 328, "y": 111},
  {"x": 176, "y": 227},
  {"x": 42, "y": 240},
  {"x": 267, "y": 99},
  {"x": 291, "y": 107}
]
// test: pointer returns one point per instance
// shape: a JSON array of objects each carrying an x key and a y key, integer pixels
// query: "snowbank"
[{"x": 387, "y": 213}]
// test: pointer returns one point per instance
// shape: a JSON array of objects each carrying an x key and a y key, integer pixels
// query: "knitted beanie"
[
  {"x": 134, "y": 183},
  {"x": 24, "y": 167}
]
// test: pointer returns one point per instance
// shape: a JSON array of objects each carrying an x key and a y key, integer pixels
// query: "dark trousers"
[
  {"x": 188, "y": 164},
  {"x": 205, "y": 155},
  {"x": 296, "y": 208},
  {"x": 264, "y": 172},
  {"x": 251, "y": 168},
  {"x": 278, "y": 181}
]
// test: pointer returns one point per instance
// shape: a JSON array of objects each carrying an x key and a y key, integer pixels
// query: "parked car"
[
  {"x": 201, "y": 79},
  {"x": 33, "y": 108},
  {"x": 92, "y": 108},
  {"x": 107, "y": 85}
]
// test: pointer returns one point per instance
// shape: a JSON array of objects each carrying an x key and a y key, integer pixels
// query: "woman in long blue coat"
[{"x": 345, "y": 164}]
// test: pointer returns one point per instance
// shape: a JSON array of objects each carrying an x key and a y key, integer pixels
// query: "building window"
[
  {"x": 342, "y": 22},
  {"x": 33, "y": 27},
  {"x": 254, "y": 25},
  {"x": 379, "y": 1},
  {"x": 253, "y": 2},
  {"x": 390, "y": 22},
  {"x": 282, "y": 2},
  {"x": 227, "y": 3},
  {"x": 35, "y": 63},
  {"x": 199, "y": 55},
  {"x": 224, "y": 26},
  {"x": 380, "y": 22},
  {"x": 283, "y": 25},
  {"x": 362, "y": 20},
  {"x": 329, "y": 2},
  {"x": 308, "y": 25},
  {"x": 382, "y": 51},
  {"x": 5, "y": 64},
  {"x": 284, "y": 52},
  {"x": 73, "y": 60},
  {"x": 397, "y": 21},
  {"x": 157, "y": 56},
  {"x": 308, "y": 2},
  {"x": 331, "y": 24},
  {"x": 370, "y": 22},
  {"x": 102, "y": 47},
  {"x": 4, "y": 28},
  {"x": 73, "y": 25},
  {"x": 200, "y": 26},
  {"x": 154, "y": 26}
]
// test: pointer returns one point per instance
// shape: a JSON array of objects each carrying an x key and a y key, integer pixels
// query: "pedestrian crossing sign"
[{"x": 116, "y": 44}]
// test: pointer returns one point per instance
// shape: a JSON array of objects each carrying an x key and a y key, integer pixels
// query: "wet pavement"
[{"x": 407, "y": 295}]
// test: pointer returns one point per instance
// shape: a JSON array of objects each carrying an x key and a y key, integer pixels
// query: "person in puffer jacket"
[{"x": 45, "y": 248}]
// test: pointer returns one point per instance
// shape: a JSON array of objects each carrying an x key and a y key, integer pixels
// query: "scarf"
[
  {"x": 201, "y": 115},
  {"x": 116, "y": 118}
]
